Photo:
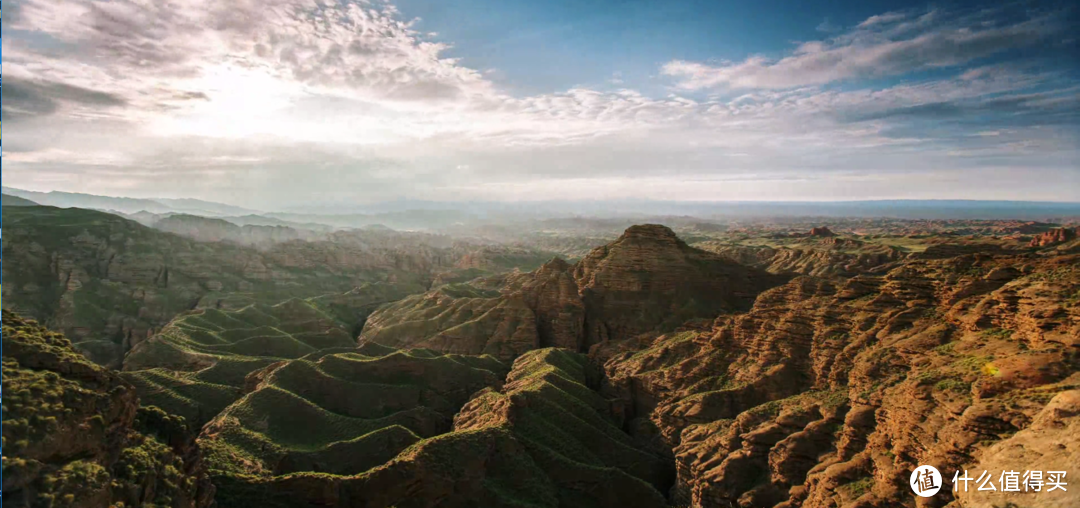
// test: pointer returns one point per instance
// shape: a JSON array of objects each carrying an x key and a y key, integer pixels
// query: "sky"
[{"x": 272, "y": 104}]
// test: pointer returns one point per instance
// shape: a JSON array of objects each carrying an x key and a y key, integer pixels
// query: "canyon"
[{"x": 794, "y": 365}]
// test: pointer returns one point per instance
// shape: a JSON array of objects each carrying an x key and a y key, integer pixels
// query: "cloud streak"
[{"x": 883, "y": 45}]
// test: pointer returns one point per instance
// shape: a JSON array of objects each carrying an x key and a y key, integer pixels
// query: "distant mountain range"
[
  {"x": 416, "y": 214},
  {"x": 126, "y": 205},
  {"x": 436, "y": 212}
]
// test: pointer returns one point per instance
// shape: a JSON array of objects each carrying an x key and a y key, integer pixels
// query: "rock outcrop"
[
  {"x": 821, "y": 232},
  {"x": 74, "y": 434},
  {"x": 1050, "y": 443},
  {"x": 832, "y": 257},
  {"x": 552, "y": 294},
  {"x": 1054, "y": 237},
  {"x": 679, "y": 376},
  {"x": 647, "y": 280},
  {"x": 830, "y": 391}
]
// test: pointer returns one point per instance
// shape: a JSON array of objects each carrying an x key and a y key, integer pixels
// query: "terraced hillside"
[
  {"x": 74, "y": 435},
  {"x": 198, "y": 363},
  {"x": 343, "y": 413},
  {"x": 543, "y": 439}
]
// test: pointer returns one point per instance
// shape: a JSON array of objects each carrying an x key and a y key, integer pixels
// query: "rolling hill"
[{"x": 8, "y": 200}]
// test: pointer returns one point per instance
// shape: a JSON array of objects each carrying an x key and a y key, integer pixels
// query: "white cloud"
[
  {"x": 881, "y": 19},
  {"x": 883, "y": 45},
  {"x": 202, "y": 98}
]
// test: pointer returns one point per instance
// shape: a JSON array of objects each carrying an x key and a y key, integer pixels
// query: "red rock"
[
  {"x": 821, "y": 231},
  {"x": 1054, "y": 236}
]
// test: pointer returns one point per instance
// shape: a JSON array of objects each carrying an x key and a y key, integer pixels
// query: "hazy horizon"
[
  {"x": 418, "y": 213},
  {"x": 279, "y": 104},
  {"x": 406, "y": 200}
]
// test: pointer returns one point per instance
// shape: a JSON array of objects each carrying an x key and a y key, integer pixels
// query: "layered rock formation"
[
  {"x": 646, "y": 280},
  {"x": 75, "y": 435},
  {"x": 504, "y": 316},
  {"x": 1054, "y": 237},
  {"x": 830, "y": 257},
  {"x": 707, "y": 383},
  {"x": 456, "y": 319},
  {"x": 1050, "y": 443},
  {"x": 829, "y": 392},
  {"x": 649, "y": 279},
  {"x": 822, "y": 232}
]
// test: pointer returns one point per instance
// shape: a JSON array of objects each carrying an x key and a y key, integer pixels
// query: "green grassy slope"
[
  {"x": 74, "y": 434},
  {"x": 9, "y": 200},
  {"x": 344, "y": 412},
  {"x": 196, "y": 365},
  {"x": 544, "y": 440},
  {"x": 569, "y": 431},
  {"x": 108, "y": 282},
  {"x": 458, "y": 318}
]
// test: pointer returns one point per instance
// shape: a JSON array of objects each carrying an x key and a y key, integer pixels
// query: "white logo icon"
[{"x": 925, "y": 481}]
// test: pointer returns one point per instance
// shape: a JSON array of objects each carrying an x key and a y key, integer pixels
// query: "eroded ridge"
[
  {"x": 830, "y": 392},
  {"x": 542, "y": 438}
]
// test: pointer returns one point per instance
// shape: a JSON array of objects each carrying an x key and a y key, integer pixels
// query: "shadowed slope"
[
  {"x": 341, "y": 414},
  {"x": 543, "y": 440}
]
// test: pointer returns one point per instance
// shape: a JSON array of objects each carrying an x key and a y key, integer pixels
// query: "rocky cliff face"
[
  {"x": 1050, "y": 443},
  {"x": 822, "y": 231},
  {"x": 1054, "y": 237},
  {"x": 829, "y": 392},
  {"x": 646, "y": 280},
  {"x": 74, "y": 434},
  {"x": 553, "y": 295},
  {"x": 649, "y": 279}
]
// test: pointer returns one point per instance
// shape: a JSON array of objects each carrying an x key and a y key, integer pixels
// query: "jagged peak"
[{"x": 556, "y": 264}]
